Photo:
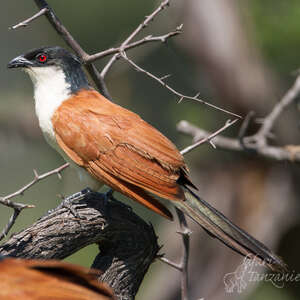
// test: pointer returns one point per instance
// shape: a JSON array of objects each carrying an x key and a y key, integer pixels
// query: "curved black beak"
[{"x": 19, "y": 62}]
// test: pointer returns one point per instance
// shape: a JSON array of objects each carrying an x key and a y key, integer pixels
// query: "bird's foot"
[{"x": 73, "y": 199}]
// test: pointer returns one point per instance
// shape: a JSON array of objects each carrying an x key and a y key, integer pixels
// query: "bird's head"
[{"x": 50, "y": 64}]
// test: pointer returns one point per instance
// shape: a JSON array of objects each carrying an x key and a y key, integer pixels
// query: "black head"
[
  {"x": 45, "y": 56},
  {"x": 57, "y": 58}
]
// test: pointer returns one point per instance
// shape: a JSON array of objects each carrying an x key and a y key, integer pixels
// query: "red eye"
[{"x": 42, "y": 58}]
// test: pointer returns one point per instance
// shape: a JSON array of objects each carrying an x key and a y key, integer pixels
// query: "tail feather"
[{"x": 216, "y": 224}]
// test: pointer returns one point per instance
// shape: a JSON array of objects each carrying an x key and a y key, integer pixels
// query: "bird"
[
  {"x": 33, "y": 279},
  {"x": 108, "y": 144}
]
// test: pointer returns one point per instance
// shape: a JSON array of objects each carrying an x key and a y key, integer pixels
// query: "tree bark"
[{"x": 127, "y": 244}]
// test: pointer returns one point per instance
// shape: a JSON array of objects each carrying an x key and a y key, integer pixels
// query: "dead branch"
[
  {"x": 288, "y": 153},
  {"x": 127, "y": 244},
  {"x": 18, "y": 207},
  {"x": 178, "y": 94},
  {"x": 208, "y": 138},
  {"x": 140, "y": 27},
  {"x": 257, "y": 143},
  {"x": 29, "y": 20},
  {"x": 270, "y": 120}
]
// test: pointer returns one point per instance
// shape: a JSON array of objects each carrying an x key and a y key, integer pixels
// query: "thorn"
[
  {"x": 181, "y": 98},
  {"x": 197, "y": 95},
  {"x": 59, "y": 175},
  {"x": 36, "y": 175},
  {"x": 179, "y": 28},
  {"x": 165, "y": 77},
  {"x": 30, "y": 206},
  {"x": 212, "y": 144}
]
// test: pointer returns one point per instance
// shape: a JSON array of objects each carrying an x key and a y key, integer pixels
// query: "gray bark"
[{"x": 127, "y": 244}]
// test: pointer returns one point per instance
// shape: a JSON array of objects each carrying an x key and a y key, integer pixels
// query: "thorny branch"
[
  {"x": 18, "y": 207},
  {"x": 178, "y": 94},
  {"x": 257, "y": 142},
  {"x": 29, "y": 20},
  {"x": 144, "y": 24},
  {"x": 208, "y": 138}
]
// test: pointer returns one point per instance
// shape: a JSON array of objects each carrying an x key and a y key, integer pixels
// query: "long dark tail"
[{"x": 216, "y": 224}]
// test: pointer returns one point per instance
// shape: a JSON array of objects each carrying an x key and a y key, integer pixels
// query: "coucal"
[
  {"x": 48, "y": 280},
  {"x": 108, "y": 144}
]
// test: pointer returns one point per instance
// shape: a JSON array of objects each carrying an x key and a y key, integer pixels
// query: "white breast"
[{"x": 50, "y": 91}]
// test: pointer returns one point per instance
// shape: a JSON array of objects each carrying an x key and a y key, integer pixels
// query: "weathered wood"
[{"x": 127, "y": 244}]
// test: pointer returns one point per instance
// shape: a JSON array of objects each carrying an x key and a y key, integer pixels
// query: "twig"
[
  {"x": 143, "y": 41},
  {"x": 208, "y": 138},
  {"x": 277, "y": 110},
  {"x": 171, "y": 263},
  {"x": 183, "y": 265},
  {"x": 18, "y": 207},
  {"x": 286, "y": 153},
  {"x": 6, "y": 199},
  {"x": 10, "y": 223},
  {"x": 147, "y": 20},
  {"x": 29, "y": 20},
  {"x": 185, "y": 233},
  {"x": 181, "y": 96}
]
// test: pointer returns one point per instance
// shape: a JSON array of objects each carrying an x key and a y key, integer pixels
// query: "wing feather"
[{"x": 119, "y": 148}]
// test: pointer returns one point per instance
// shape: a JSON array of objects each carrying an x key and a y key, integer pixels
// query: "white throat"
[{"x": 50, "y": 91}]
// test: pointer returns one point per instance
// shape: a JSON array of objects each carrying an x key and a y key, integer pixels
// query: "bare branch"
[
  {"x": 5, "y": 200},
  {"x": 208, "y": 138},
  {"x": 288, "y": 153},
  {"x": 185, "y": 233},
  {"x": 182, "y": 267},
  {"x": 10, "y": 223},
  {"x": 143, "y": 41},
  {"x": 60, "y": 28},
  {"x": 170, "y": 263},
  {"x": 181, "y": 96},
  {"x": 29, "y": 20},
  {"x": 145, "y": 23},
  {"x": 18, "y": 207},
  {"x": 278, "y": 109}
]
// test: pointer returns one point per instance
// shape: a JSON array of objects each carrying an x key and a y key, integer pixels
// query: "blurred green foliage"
[{"x": 277, "y": 26}]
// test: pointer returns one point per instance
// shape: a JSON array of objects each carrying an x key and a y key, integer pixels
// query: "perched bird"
[
  {"x": 108, "y": 144},
  {"x": 49, "y": 279}
]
